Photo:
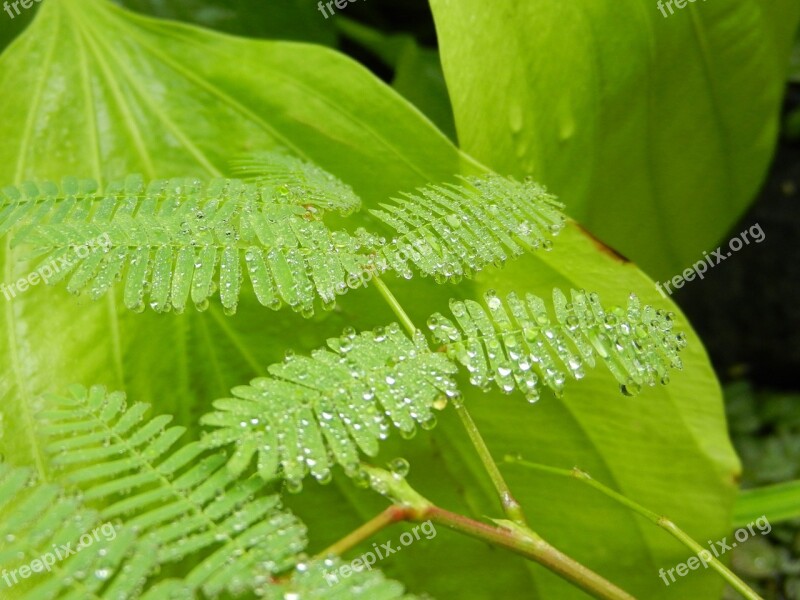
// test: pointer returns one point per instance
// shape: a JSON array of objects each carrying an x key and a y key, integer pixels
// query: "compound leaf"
[
  {"x": 184, "y": 500},
  {"x": 454, "y": 231},
  {"x": 517, "y": 346},
  {"x": 320, "y": 410},
  {"x": 183, "y": 239}
]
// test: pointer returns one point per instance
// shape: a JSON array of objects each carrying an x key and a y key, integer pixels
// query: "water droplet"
[
  {"x": 294, "y": 486},
  {"x": 399, "y": 467}
]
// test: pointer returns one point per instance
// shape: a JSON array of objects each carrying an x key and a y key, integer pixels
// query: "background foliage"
[{"x": 114, "y": 93}]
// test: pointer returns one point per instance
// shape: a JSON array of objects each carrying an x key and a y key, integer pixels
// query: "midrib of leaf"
[
  {"x": 215, "y": 91},
  {"x": 24, "y": 395},
  {"x": 182, "y": 137},
  {"x": 311, "y": 92},
  {"x": 93, "y": 146},
  {"x": 130, "y": 122},
  {"x": 176, "y": 492},
  {"x": 725, "y": 141},
  {"x": 658, "y": 200}
]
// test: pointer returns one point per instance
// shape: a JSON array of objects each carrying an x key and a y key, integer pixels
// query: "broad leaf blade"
[{"x": 656, "y": 131}]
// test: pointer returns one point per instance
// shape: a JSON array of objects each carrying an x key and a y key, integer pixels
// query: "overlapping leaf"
[
  {"x": 454, "y": 231},
  {"x": 320, "y": 410},
  {"x": 186, "y": 502},
  {"x": 181, "y": 239},
  {"x": 517, "y": 346},
  {"x": 52, "y": 546}
]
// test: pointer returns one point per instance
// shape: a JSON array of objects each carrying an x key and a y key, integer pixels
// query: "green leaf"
[
  {"x": 516, "y": 346},
  {"x": 450, "y": 232},
  {"x": 83, "y": 554},
  {"x": 780, "y": 502},
  {"x": 194, "y": 99},
  {"x": 183, "y": 238},
  {"x": 224, "y": 530},
  {"x": 320, "y": 410},
  {"x": 637, "y": 121}
]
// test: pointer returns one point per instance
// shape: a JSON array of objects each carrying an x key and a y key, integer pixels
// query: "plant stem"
[
  {"x": 533, "y": 548},
  {"x": 391, "y": 515},
  {"x": 516, "y": 540},
  {"x": 663, "y": 522},
  {"x": 516, "y": 537},
  {"x": 395, "y": 305},
  {"x": 511, "y": 507}
]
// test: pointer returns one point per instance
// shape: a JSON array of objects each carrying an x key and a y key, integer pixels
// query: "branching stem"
[
  {"x": 516, "y": 540},
  {"x": 391, "y": 515},
  {"x": 515, "y": 536},
  {"x": 511, "y": 507},
  {"x": 663, "y": 522}
]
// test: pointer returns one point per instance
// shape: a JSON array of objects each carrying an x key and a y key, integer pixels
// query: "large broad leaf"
[
  {"x": 286, "y": 19},
  {"x": 113, "y": 93},
  {"x": 657, "y": 131}
]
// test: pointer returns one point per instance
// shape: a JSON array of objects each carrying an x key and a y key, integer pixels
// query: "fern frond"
[
  {"x": 41, "y": 524},
  {"x": 515, "y": 344},
  {"x": 453, "y": 231},
  {"x": 295, "y": 178},
  {"x": 319, "y": 580},
  {"x": 186, "y": 502},
  {"x": 320, "y": 410},
  {"x": 184, "y": 239},
  {"x": 314, "y": 580}
]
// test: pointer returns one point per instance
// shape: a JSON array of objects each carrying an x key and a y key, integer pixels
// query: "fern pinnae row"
[
  {"x": 516, "y": 345},
  {"x": 297, "y": 178},
  {"x": 453, "y": 231},
  {"x": 181, "y": 240},
  {"x": 185, "y": 501},
  {"x": 313, "y": 412},
  {"x": 85, "y": 557}
]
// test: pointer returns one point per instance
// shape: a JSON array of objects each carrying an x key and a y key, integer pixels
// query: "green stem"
[
  {"x": 703, "y": 553},
  {"x": 511, "y": 507},
  {"x": 391, "y": 515},
  {"x": 532, "y": 548},
  {"x": 395, "y": 305},
  {"x": 516, "y": 540}
]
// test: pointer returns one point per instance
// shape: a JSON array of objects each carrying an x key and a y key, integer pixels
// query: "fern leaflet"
[
  {"x": 295, "y": 178},
  {"x": 450, "y": 231},
  {"x": 516, "y": 345},
  {"x": 186, "y": 502},
  {"x": 183, "y": 239},
  {"x": 51, "y": 546},
  {"x": 307, "y": 583},
  {"x": 313, "y": 580},
  {"x": 320, "y": 410}
]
